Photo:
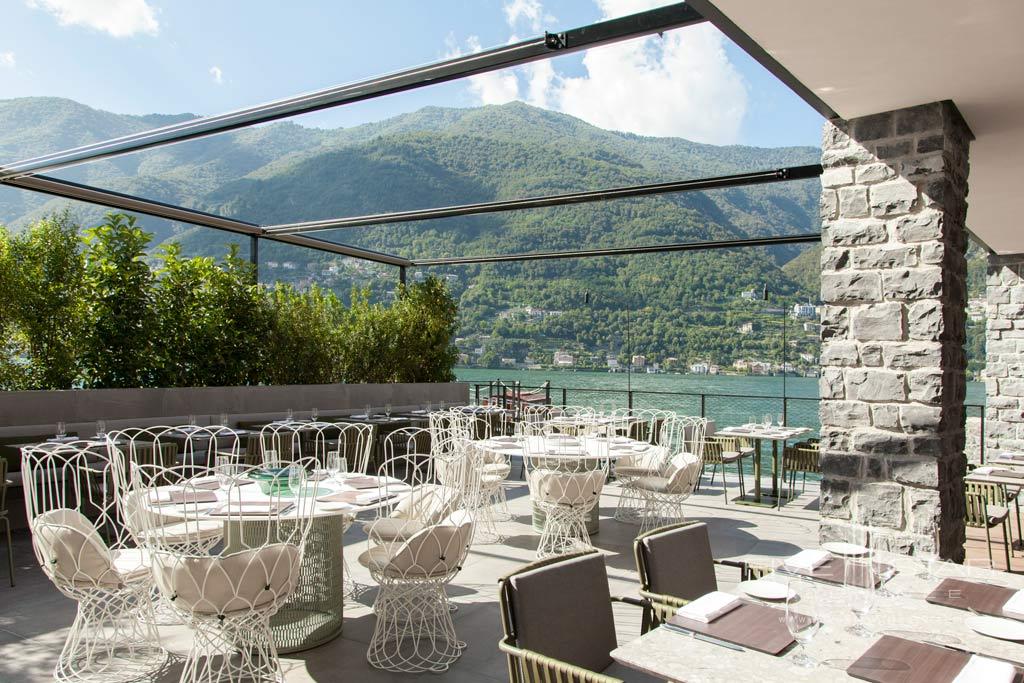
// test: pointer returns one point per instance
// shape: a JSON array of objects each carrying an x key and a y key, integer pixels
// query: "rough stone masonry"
[
  {"x": 893, "y": 284},
  {"x": 1004, "y": 354}
]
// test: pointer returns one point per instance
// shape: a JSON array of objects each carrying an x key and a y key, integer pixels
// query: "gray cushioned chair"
[
  {"x": 676, "y": 566},
  {"x": 557, "y": 618}
]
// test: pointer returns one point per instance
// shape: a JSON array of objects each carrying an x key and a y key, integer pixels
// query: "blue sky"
[{"x": 171, "y": 56}]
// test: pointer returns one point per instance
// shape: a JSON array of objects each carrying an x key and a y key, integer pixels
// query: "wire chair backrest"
[
  {"x": 73, "y": 514},
  {"x": 446, "y": 428},
  {"x": 355, "y": 444}
]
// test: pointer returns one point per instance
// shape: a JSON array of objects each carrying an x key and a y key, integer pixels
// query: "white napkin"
[
  {"x": 984, "y": 670},
  {"x": 709, "y": 606},
  {"x": 1014, "y": 607},
  {"x": 808, "y": 560},
  {"x": 986, "y": 469}
]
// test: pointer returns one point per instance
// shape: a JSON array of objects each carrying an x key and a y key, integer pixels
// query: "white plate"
[
  {"x": 996, "y": 627},
  {"x": 504, "y": 439},
  {"x": 766, "y": 590},
  {"x": 848, "y": 549}
]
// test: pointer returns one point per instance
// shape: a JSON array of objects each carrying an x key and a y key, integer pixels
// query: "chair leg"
[
  {"x": 1006, "y": 542},
  {"x": 725, "y": 486},
  {"x": 703, "y": 471},
  {"x": 10, "y": 549},
  {"x": 743, "y": 483},
  {"x": 988, "y": 538}
]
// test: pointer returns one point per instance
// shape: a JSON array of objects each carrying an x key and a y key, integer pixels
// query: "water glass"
[
  {"x": 767, "y": 420},
  {"x": 369, "y": 411},
  {"x": 885, "y": 566},
  {"x": 101, "y": 428},
  {"x": 428, "y": 406},
  {"x": 859, "y": 584},
  {"x": 224, "y": 465},
  {"x": 223, "y": 419},
  {"x": 387, "y": 410},
  {"x": 314, "y": 414},
  {"x": 290, "y": 415},
  {"x": 803, "y": 618},
  {"x": 191, "y": 420},
  {"x": 440, "y": 405},
  {"x": 296, "y": 479},
  {"x": 927, "y": 557},
  {"x": 62, "y": 430},
  {"x": 337, "y": 465}
]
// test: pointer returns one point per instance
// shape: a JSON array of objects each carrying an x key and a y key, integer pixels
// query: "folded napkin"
[
  {"x": 350, "y": 497},
  {"x": 984, "y": 670},
  {"x": 1012, "y": 456},
  {"x": 709, "y": 607},
  {"x": 641, "y": 447},
  {"x": 180, "y": 497},
  {"x": 985, "y": 469},
  {"x": 1014, "y": 607},
  {"x": 61, "y": 439},
  {"x": 808, "y": 560},
  {"x": 363, "y": 482},
  {"x": 214, "y": 485},
  {"x": 249, "y": 507},
  {"x": 359, "y": 417},
  {"x": 418, "y": 412}
]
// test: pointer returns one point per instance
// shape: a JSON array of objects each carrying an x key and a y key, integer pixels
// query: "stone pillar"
[
  {"x": 1004, "y": 354},
  {"x": 893, "y": 284}
]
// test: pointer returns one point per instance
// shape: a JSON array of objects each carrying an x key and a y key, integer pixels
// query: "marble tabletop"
[{"x": 677, "y": 657}]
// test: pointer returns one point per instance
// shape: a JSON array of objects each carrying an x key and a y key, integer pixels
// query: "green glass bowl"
[{"x": 271, "y": 481}]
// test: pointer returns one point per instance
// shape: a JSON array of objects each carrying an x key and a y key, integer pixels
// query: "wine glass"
[
  {"x": 101, "y": 429},
  {"x": 314, "y": 414},
  {"x": 802, "y": 618},
  {"x": 290, "y": 415},
  {"x": 429, "y": 406},
  {"x": 337, "y": 465},
  {"x": 62, "y": 430},
  {"x": 885, "y": 566},
  {"x": 387, "y": 410},
  {"x": 369, "y": 411},
  {"x": 224, "y": 465},
  {"x": 223, "y": 419},
  {"x": 766, "y": 421},
  {"x": 440, "y": 405},
  {"x": 191, "y": 420},
  {"x": 780, "y": 420},
  {"x": 859, "y": 584}
]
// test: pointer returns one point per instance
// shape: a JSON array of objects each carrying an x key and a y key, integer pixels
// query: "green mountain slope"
[{"x": 681, "y": 305}]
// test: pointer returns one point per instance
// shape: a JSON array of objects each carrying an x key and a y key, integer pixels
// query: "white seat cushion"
[
  {"x": 497, "y": 469},
  {"x": 634, "y": 471},
  {"x": 392, "y": 528},
  {"x": 131, "y": 563},
  {"x": 657, "y": 484}
]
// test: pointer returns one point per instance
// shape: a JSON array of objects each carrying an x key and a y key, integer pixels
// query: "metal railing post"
[
  {"x": 981, "y": 436},
  {"x": 703, "y": 411},
  {"x": 785, "y": 406},
  {"x": 629, "y": 399},
  {"x": 564, "y": 401},
  {"x": 547, "y": 393},
  {"x": 476, "y": 387}
]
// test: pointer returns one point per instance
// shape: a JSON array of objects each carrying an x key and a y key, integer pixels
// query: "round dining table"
[
  {"x": 569, "y": 454},
  {"x": 313, "y": 614}
]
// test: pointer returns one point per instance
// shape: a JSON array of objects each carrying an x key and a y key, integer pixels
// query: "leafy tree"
[
  {"x": 302, "y": 345},
  {"x": 426, "y": 320},
  {"x": 120, "y": 341},
  {"x": 372, "y": 342},
  {"x": 42, "y": 284}
]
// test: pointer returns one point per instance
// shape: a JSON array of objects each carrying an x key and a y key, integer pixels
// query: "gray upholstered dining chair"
[
  {"x": 556, "y": 615},
  {"x": 676, "y": 566}
]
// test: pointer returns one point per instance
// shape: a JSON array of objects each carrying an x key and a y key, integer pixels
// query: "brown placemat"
[
  {"x": 981, "y": 597},
  {"x": 832, "y": 571},
  {"x": 245, "y": 508},
  {"x": 363, "y": 482},
  {"x": 758, "y": 627},
  {"x": 896, "y": 660}
]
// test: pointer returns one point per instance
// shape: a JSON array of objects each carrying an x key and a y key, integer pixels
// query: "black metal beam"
[
  {"x": 126, "y": 202},
  {"x": 626, "y": 251},
  {"x": 254, "y": 255},
  {"x": 542, "y": 47},
  {"x": 761, "y": 56},
  {"x": 737, "y": 180}
]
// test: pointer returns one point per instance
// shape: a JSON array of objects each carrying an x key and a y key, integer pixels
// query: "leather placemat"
[
  {"x": 832, "y": 571},
  {"x": 755, "y": 626},
  {"x": 981, "y": 597}
]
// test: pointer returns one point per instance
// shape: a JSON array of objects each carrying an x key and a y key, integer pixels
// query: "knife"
[
  {"x": 701, "y": 636},
  {"x": 1018, "y": 665}
]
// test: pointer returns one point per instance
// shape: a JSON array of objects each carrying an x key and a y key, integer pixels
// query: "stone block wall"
[
  {"x": 893, "y": 366},
  {"x": 1004, "y": 354}
]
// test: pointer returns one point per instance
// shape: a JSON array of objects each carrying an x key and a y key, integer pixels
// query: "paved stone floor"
[{"x": 34, "y": 616}]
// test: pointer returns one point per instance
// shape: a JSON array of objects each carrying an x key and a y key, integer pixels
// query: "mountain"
[{"x": 683, "y": 305}]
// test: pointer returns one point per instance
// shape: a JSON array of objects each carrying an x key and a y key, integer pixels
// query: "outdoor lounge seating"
[{"x": 720, "y": 451}]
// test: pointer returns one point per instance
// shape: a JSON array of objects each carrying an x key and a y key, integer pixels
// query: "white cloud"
[
  {"x": 217, "y": 74},
  {"x": 119, "y": 18},
  {"x": 494, "y": 87},
  {"x": 7, "y": 60},
  {"x": 529, "y": 11},
  {"x": 680, "y": 84}
]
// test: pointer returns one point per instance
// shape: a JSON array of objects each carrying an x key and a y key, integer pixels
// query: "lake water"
[{"x": 727, "y": 399}]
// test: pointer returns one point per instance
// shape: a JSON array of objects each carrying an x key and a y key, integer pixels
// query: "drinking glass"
[
  {"x": 429, "y": 406},
  {"x": 224, "y": 465},
  {"x": 927, "y": 557},
  {"x": 767, "y": 420},
  {"x": 859, "y": 585},
  {"x": 62, "y": 430},
  {"x": 440, "y": 405},
  {"x": 290, "y": 415},
  {"x": 337, "y": 466},
  {"x": 369, "y": 411},
  {"x": 780, "y": 420},
  {"x": 101, "y": 428},
  {"x": 191, "y": 420},
  {"x": 885, "y": 566},
  {"x": 296, "y": 479},
  {"x": 803, "y": 618},
  {"x": 223, "y": 419},
  {"x": 387, "y": 410},
  {"x": 314, "y": 414}
]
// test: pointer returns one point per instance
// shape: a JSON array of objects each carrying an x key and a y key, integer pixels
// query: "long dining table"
[{"x": 902, "y": 612}]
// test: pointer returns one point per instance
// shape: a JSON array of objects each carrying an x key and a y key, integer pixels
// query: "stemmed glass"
[
  {"x": 803, "y": 618},
  {"x": 225, "y": 467},
  {"x": 780, "y": 420},
  {"x": 766, "y": 421},
  {"x": 387, "y": 410},
  {"x": 429, "y": 406},
  {"x": 859, "y": 584},
  {"x": 885, "y": 567},
  {"x": 314, "y": 414},
  {"x": 337, "y": 465},
  {"x": 290, "y": 415},
  {"x": 369, "y": 411},
  {"x": 62, "y": 430},
  {"x": 101, "y": 429},
  {"x": 223, "y": 419}
]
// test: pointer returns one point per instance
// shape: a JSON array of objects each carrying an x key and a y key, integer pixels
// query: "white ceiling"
[{"x": 871, "y": 56}]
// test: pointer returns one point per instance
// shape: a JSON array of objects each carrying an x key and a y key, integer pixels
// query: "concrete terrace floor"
[{"x": 34, "y": 616}]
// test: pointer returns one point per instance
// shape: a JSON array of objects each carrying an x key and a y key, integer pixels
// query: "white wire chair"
[
  {"x": 644, "y": 425},
  {"x": 663, "y": 495},
  {"x": 228, "y": 595},
  {"x": 82, "y": 547},
  {"x": 565, "y": 486},
  {"x": 414, "y": 631}
]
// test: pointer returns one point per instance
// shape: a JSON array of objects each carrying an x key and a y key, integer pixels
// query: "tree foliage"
[{"x": 94, "y": 312}]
